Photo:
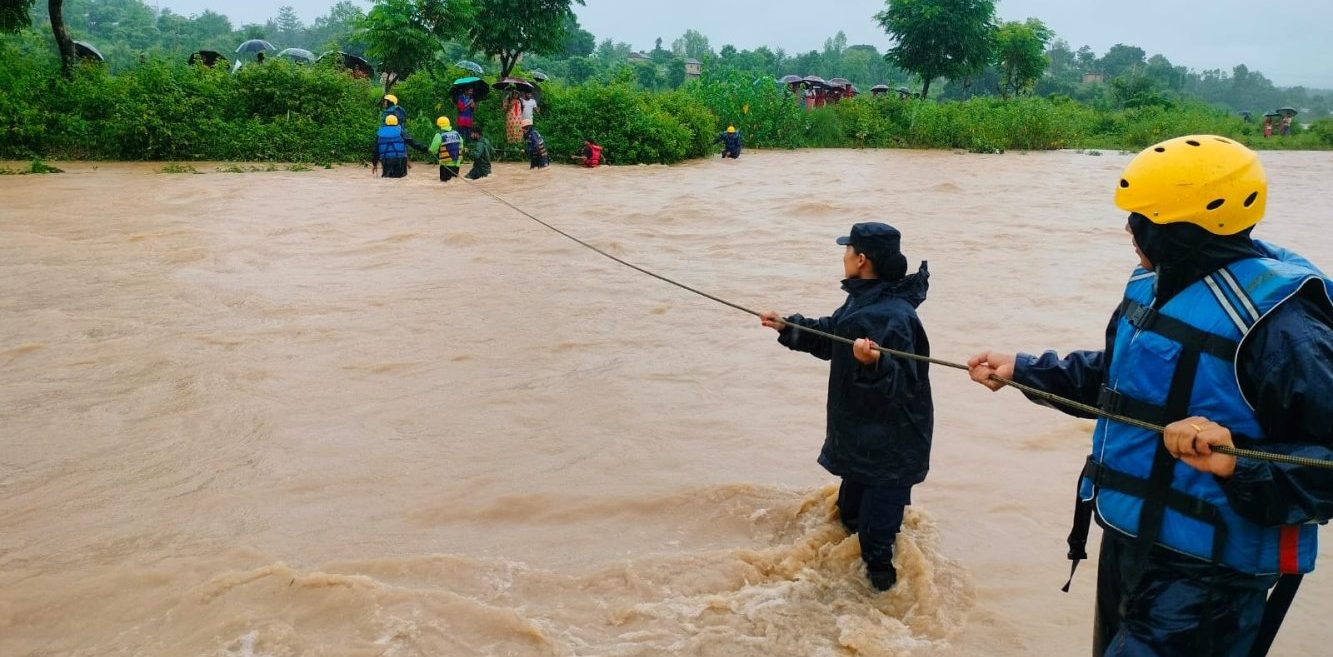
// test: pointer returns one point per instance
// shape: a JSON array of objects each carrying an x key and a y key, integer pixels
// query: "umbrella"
[
  {"x": 540, "y": 76},
  {"x": 478, "y": 86},
  {"x": 1287, "y": 111},
  {"x": 357, "y": 65},
  {"x": 209, "y": 58},
  {"x": 903, "y": 90},
  {"x": 839, "y": 82},
  {"x": 471, "y": 66},
  {"x": 790, "y": 79},
  {"x": 255, "y": 45},
  {"x": 814, "y": 80},
  {"x": 87, "y": 51},
  {"x": 515, "y": 84},
  {"x": 879, "y": 89},
  {"x": 298, "y": 55},
  {"x": 1272, "y": 115}
]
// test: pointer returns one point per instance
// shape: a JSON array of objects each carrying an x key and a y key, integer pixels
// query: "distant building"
[
  {"x": 1093, "y": 78},
  {"x": 693, "y": 68}
]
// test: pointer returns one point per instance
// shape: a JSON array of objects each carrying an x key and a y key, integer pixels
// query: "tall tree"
[
  {"x": 509, "y": 28},
  {"x": 939, "y": 38},
  {"x": 14, "y": 15},
  {"x": 405, "y": 34},
  {"x": 694, "y": 45},
  {"x": 64, "y": 42},
  {"x": 578, "y": 41},
  {"x": 1020, "y": 53}
]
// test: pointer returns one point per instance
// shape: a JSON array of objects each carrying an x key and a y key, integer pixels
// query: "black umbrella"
[
  {"x": 814, "y": 81},
  {"x": 357, "y": 65},
  {"x": 471, "y": 66},
  {"x": 1272, "y": 115},
  {"x": 903, "y": 90},
  {"x": 879, "y": 89},
  {"x": 86, "y": 51},
  {"x": 209, "y": 58},
  {"x": 1287, "y": 111},
  {"x": 790, "y": 79},
  {"x": 514, "y": 84},
  {"x": 478, "y": 86},
  {"x": 298, "y": 55},
  {"x": 839, "y": 82},
  {"x": 255, "y": 45}
]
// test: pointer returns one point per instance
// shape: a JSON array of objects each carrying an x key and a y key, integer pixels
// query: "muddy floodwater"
[{"x": 321, "y": 413}]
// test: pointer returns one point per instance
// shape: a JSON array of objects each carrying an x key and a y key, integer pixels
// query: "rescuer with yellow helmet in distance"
[{"x": 1225, "y": 341}]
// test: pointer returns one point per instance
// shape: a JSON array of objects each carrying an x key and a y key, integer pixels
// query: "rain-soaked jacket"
[{"x": 880, "y": 417}]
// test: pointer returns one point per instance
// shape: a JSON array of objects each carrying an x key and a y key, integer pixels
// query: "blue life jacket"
[
  {"x": 1176, "y": 362},
  {"x": 389, "y": 142},
  {"x": 451, "y": 148}
]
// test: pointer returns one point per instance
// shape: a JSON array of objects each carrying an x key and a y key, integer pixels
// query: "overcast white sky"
[{"x": 1288, "y": 41}]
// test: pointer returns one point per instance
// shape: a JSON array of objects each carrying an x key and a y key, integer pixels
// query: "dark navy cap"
[{"x": 873, "y": 235}]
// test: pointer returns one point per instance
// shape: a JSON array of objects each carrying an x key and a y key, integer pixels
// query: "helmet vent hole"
[
  {"x": 1216, "y": 204},
  {"x": 1254, "y": 196},
  {"x": 1193, "y": 143},
  {"x": 1159, "y": 149},
  {"x": 1124, "y": 184}
]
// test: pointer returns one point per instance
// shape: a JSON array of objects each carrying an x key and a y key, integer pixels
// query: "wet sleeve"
[
  {"x": 414, "y": 143},
  {"x": 797, "y": 340},
  {"x": 1078, "y": 376},
  {"x": 1286, "y": 371},
  {"x": 435, "y": 144},
  {"x": 886, "y": 375}
]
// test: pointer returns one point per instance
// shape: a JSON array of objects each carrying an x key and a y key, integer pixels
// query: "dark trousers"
[
  {"x": 539, "y": 162},
  {"x": 875, "y": 514},
  {"x": 448, "y": 172},
  {"x": 1160, "y": 615},
  {"x": 394, "y": 167}
]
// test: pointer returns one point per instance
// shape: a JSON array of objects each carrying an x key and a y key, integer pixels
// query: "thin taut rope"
[{"x": 1028, "y": 390}]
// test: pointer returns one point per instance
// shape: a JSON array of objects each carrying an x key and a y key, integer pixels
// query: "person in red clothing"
[
  {"x": 467, "y": 107},
  {"x": 590, "y": 156}
]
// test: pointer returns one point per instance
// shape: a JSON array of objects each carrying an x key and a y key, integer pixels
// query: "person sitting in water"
[
  {"x": 448, "y": 147},
  {"x": 391, "y": 143},
  {"x": 590, "y": 156},
  {"x": 880, "y": 413},
  {"x": 731, "y": 143},
  {"x": 482, "y": 152},
  {"x": 534, "y": 146},
  {"x": 389, "y": 106}
]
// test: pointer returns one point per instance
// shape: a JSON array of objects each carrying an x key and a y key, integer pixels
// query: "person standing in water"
[
  {"x": 534, "y": 146},
  {"x": 880, "y": 412},
  {"x": 448, "y": 147},
  {"x": 391, "y": 143},
  {"x": 1225, "y": 341},
  {"x": 482, "y": 153},
  {"x": 731, "y": 143}
]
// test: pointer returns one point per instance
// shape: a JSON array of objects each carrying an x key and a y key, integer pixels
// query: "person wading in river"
[
  {"x": 391, "y": 143},
  {"x": 880, "y": 414},
  {"x": 1226, "y": 341}
]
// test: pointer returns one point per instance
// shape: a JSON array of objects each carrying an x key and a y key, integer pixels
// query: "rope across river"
[{"x": 1028, "y": 390}]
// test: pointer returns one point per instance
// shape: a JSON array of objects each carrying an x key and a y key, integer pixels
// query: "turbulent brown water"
[{"x": 320, "y": 413}]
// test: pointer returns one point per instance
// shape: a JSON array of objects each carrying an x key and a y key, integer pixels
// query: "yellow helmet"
[
  {"x": 391, "y": 120},
  {"x": 731, "y": 129},
  {"x": 442, "y": 123},
  {"x": 391, "y": 98},
  {"x": 1206, "y": 180}
]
